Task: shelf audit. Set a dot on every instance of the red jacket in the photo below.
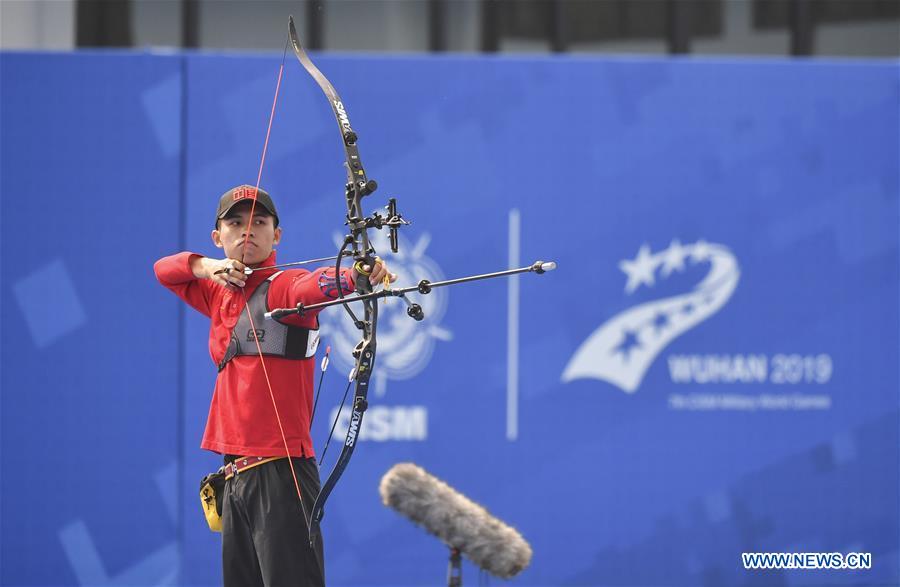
(241, 417)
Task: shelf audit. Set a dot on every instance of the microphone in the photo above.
(455, 519)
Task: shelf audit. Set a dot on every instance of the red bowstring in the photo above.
(262, 360)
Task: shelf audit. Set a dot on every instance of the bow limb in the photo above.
(362, 371)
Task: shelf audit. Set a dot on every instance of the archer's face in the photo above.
(232, 233)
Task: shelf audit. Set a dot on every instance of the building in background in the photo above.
(851, 28)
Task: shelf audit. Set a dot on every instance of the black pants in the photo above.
(265, 540)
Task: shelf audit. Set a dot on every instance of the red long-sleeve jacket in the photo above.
(241, 416)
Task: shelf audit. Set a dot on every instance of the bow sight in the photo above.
(393, 220)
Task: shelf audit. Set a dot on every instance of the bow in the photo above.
(357, 246)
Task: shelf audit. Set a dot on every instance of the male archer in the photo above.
(264, 532)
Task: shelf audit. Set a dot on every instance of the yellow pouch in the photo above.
(211, 489)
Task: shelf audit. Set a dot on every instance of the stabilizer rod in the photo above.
(423, 287)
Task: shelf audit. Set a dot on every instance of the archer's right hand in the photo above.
(227, 272)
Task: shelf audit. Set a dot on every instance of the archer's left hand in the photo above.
(378, 274)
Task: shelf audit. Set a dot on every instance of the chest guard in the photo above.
(275, 339)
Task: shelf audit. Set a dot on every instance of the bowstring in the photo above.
(262, 360)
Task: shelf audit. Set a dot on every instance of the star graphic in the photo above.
(629, 341)
(640, 270)
(661, 321)
(701, 251)
(673, 258)
(688, 308)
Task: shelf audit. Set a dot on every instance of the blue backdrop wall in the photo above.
(712, 369)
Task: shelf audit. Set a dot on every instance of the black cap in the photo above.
(237, 195)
